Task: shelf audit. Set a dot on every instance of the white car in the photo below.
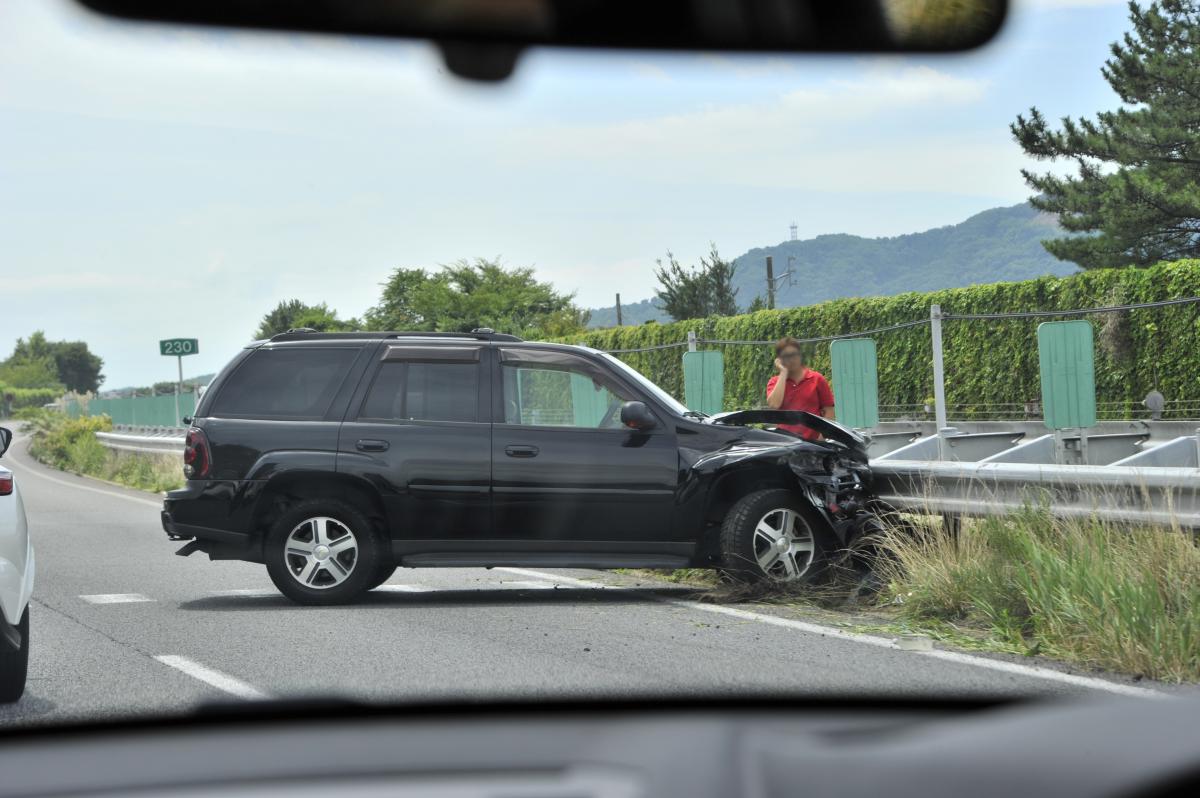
(16, 583)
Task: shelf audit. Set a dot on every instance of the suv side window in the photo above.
(565, 392)
(424, 392)
(285, 382)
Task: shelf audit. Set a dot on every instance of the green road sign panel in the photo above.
(179, 346)
(855, 382)
(704, 381)
(1066, 354)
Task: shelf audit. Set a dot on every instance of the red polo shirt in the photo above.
(811, 392)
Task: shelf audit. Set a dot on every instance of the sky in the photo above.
(159, 182)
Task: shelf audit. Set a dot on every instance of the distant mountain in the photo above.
(997, 245)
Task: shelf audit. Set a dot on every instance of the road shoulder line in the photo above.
(1003, 666)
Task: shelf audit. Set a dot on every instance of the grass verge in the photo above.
(70, 445)
(1080, 590)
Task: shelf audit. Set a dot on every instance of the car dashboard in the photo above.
(765, 748)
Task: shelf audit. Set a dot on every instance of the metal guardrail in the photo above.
(1134, 475)
(1139, 472)
(145, 440)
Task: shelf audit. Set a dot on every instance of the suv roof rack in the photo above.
(479, 334)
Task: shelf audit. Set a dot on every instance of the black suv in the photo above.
(333, 458)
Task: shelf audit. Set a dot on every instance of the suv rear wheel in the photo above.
(323, 551)
(768, 536)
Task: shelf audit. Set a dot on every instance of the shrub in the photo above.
(976, 352)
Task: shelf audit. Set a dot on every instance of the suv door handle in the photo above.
(521, 451)
(371, 445)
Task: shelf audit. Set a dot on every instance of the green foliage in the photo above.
(70, 444)
(26, 398)
(1078, 589)
(39, 363)
(998, 244)
(1138, 182)
(58, 440)
(706, 290)
(39, 373)
(293, 314)
(987, 362)
(464, 296)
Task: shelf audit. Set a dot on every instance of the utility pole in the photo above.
(618, 310)
(178, 389)
(939, 371)
(770, 283)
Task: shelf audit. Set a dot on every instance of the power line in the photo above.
(1031, 314)
(1079, 312)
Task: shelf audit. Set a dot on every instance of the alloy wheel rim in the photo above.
(321, 552)
(783, 545)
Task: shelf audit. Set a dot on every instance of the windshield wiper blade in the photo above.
(694, 414)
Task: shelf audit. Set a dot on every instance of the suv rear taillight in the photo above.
(197, 456)
(6, 484)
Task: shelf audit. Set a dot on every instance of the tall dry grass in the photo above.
(1116, 597)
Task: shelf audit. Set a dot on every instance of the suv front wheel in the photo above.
(323, 551)
(768, 536)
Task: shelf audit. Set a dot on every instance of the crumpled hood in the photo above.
(830, 429)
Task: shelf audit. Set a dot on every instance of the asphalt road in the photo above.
(121, 626)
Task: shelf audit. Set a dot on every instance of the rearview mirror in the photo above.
(636, 415)
(483, 40)
(5, 439)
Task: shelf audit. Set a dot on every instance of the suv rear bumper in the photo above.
(185, 510)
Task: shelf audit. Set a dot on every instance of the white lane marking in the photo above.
(213, 678)
(1003, 666)
(115, 598)
(405, 589)
(26, 469)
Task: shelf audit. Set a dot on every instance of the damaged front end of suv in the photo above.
(784, 505)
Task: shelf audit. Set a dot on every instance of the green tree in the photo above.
(465, 295)
(706, 290)
(294, 314)
(37, 362)
(757, 304)
(35, 373)
(78, 368)
(1137, 190)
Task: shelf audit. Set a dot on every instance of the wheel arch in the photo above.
(291, 487)
(730, 484)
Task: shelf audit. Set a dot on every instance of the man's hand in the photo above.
(783, 370)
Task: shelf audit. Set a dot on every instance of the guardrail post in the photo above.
(939, 376)
(691, 340)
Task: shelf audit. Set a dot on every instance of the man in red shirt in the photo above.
(798, 387)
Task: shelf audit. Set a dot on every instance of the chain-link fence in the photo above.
(990, 362)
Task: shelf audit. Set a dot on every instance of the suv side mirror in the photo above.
(5, 440)
(636, 415)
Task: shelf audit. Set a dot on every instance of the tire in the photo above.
(383, 574)
(756, 523)
(323, 551)
(14, 665)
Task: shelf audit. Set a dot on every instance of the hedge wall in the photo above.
(28, 397)
(987, 362)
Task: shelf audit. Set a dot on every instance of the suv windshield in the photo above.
(645, 384)
(339, 364)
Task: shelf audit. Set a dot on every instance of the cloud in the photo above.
(867, 133)
(645, 69)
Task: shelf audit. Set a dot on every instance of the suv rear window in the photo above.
(289, 382)
(424, 391)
